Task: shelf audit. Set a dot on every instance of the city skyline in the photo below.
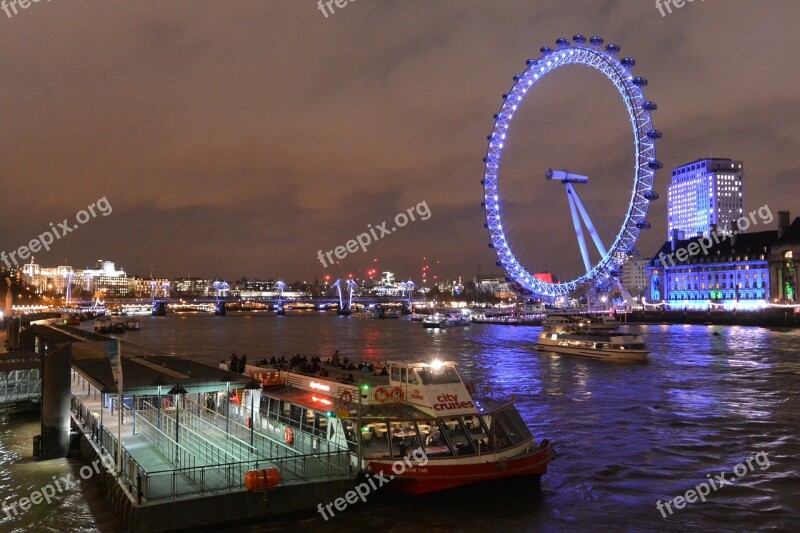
(210, 161)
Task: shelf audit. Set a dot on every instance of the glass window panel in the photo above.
(458, 436)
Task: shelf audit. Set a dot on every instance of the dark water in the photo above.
(626, 436)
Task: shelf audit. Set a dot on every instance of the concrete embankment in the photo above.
(768, 318)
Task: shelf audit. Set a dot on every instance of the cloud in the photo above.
(240, 138)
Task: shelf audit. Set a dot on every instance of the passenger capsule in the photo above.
(578, 39)
(651, 195)
(596, 40)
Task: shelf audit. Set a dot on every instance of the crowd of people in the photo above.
(310, 365)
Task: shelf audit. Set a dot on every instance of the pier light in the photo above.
(177, 391)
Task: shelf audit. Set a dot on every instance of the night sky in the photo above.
(237, 139)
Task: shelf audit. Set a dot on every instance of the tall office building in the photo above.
(703, 194)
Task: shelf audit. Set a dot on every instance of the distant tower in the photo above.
(703, 194)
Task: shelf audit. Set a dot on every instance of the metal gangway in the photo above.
(20, 379)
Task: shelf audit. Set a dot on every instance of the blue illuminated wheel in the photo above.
(589, 53)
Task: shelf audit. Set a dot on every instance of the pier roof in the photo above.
(142, 373)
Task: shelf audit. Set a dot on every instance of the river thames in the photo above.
(627, 436)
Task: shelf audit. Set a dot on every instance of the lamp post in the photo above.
(176, 390)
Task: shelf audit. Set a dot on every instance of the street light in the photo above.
(176, 390)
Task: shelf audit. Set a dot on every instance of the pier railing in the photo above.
(170, 484)
(206, 451)
(133, 474)
(205, 422)
(191, 476)
(171, 450)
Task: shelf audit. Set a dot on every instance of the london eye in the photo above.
(587, 54)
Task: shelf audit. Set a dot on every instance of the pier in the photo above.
(175, 452)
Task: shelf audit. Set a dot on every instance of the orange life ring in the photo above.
(288, 436)
(345, 396)
(381, 395)
(398, 394)
(471, 388)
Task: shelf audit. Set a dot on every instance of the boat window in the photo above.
(403, 375)
(443, 376)
(295, 415)
(458, 436)
(395, 373)
(374, 436)
(503, 431)
(412, 376)
(477, 433)
(405, 438)
(433, 438)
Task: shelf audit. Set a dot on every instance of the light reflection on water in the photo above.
(626, 435)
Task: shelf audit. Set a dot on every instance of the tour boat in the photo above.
(410, 410)
(102, 324)
(607, 346)
(438, 320)
(133, 324)
(582, 322)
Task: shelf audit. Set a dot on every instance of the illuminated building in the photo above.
(703, 194)
(746, 271)
(105, 279)
(192, 286)
(46, 279)
(634, 275)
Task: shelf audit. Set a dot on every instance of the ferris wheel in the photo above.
(586, 53)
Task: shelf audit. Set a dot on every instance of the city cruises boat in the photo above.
(607, 346)
(133, 324)
(581, 322)
(598, 323)
(438, 320)
(411, 410)
(102, 324)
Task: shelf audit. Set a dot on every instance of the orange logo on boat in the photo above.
(398, 394)
(288, 436)
(381, 395)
